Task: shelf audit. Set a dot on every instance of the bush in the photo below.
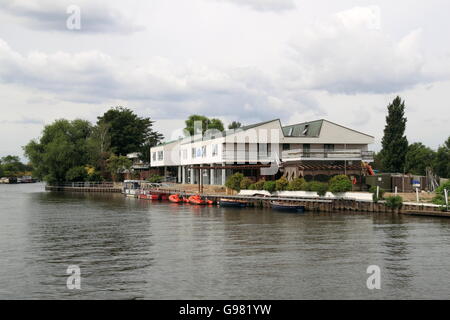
(440, 197)
(320, 187)
(259, 185)
(76, 174)
(281, 184)
(154, 178)
(394, 202)
(251, 187)
(94, 177)
(234, 181)
(270, 186)
(246, 183)
(297, 184)
(373, 190)
(340, 183)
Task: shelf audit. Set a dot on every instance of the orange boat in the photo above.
(185, 200)
(175, 198)
(196, 200)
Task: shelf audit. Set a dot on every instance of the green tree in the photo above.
(11, 166)
(340, 183)
(281, 184)
(234, 181)
(61, 147)
(245, 183)
(76, 174)
(207, 124)
(129, 132)
(418, 158)
(234, 125)
(441, 162)
(394, 142)
(320, 187)
(270, 186)
(117, 165)
(297, 184)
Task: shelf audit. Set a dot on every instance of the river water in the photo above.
(138, 249)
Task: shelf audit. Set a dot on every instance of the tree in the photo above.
(441, 162)
(129, 132)
(234, 181)
(418, 158)
(297, 184)
(61, 147)
(394, 142)
(245, 183)
(99, 146)
(11, 166)
(340, 183)
(234, 125)
(117, 165)
(281, 184)
(205, 122)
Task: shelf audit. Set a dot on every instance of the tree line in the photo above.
(398, 156)
(80, 151)
(11, 166)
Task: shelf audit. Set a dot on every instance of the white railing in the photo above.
(249, 156)
(322, 154)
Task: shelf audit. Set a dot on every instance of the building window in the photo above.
(160, 155)
(193, 153)
(184, 154)
(306, 150)
(203, 151)
(215, 150)
(154, 156)
(286, 146)
(328, 147)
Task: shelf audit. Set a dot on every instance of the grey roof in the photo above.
(296, 130)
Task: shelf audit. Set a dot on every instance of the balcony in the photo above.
(249, 156)
(327, 155)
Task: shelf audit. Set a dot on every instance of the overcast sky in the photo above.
(245, 60)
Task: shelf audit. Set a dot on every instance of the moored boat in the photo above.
(175, 198)
(232, 203)
(286, 206)
(196, 199)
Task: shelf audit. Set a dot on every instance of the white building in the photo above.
(265, 149)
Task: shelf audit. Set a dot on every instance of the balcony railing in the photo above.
(322, 154)
(249, 156)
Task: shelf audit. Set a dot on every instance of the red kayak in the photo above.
(175, 198)
(196, 200)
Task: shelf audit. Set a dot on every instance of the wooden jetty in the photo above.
(105, 187)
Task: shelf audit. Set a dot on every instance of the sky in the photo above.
(243, 60)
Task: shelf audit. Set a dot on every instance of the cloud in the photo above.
(265, 5)
(350, 53)
(96, 17)
(157, 83)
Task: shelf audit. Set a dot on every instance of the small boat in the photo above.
(285, 206)
(196, 200)
(209, 201)
(175, 198)
(185, 200)
(232, 203)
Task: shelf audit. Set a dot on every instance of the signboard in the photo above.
(416, 184)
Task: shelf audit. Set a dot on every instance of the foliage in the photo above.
(269, 186)
(373, 190)
(61, 147)
(154, 178)
(11, 166)
(259, 185)
(440, 197)
(320, 187)
(207, 124)
(252, 187)
(281, 184)
(234, 125)
(246, 183)
(117, 165)
(394, 142)
(441, 162)
(76, 174)
(418, 158)
(394, 202)
(128, 132)
(340, 183)
(234, 181)
(297, 184)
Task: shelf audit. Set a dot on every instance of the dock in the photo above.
(103, 187)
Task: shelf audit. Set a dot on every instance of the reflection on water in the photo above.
(138, 249)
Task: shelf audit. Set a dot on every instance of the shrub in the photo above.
(76, 174)
(94, 177)
(373, 190)
(259, 185)
(154, 178)
(246, 183)
(394, 202)
(297, 184)
(270, 186)
(340, 183)
(251, 187)
(320, 187)
(281, 184)
(440, 197)
(234, 181)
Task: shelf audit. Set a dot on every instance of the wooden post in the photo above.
(417, 194)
